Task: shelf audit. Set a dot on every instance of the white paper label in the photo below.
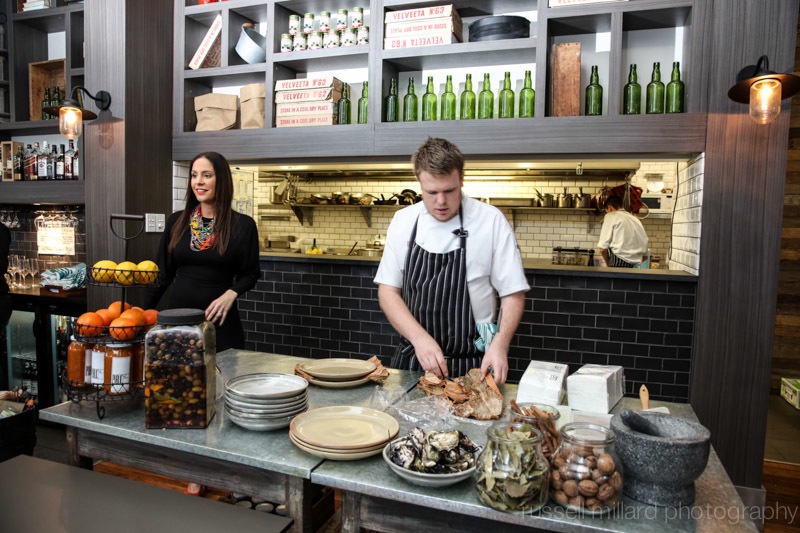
(87, 372)
(120, 375)
(56, 240)
(98, 366)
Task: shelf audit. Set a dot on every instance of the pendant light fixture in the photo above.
(763, 89)
(71, 113)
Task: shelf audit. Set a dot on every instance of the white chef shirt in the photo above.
(624, 235)
(493, 259)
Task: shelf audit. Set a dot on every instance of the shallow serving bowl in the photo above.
(422, 479)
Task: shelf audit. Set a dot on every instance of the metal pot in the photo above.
(341, 198)
(370, 252)
(545, 200)
(564, 199)
(582, 200)
(277, 194)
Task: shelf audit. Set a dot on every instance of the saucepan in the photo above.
(582, 200)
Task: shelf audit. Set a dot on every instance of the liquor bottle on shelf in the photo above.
(655, 92)
(344, 105)
(68, 163)
(363, 104)
(632, 94)
(51, 162)
(594, 95)
(8, 172)
(75, 160)
(505, 105)
(41, 161)
(29, 171)
(448, 100)
(391, 104)
(527, 97)
(486, 99)
(429, 102)
(46, 103)
(675, 90)
(410, 103)
(468, 101)
(60, 163)
(19, 163)
(56, 99)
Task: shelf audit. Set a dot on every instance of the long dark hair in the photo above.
(223, 196)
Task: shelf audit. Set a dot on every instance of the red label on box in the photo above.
(431, 39)
(308, 83)
(420, 13)
(307, 95)
(305, 120)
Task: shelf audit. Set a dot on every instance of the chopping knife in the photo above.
(644, 397)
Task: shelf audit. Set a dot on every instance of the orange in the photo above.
(122, 329)
(138, 308)
(137, 317)
(105, 314)
(90, 324)
(150, 316)
(116, 308)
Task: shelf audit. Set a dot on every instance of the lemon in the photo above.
(148, 271)
(103, 271)
(126, 272)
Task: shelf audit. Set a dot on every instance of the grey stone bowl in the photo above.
(661, 470)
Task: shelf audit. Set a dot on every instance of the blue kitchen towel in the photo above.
(73, 277)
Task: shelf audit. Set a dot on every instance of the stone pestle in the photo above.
(637, 422)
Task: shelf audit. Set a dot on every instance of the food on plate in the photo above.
(434, 452)
(469, 396)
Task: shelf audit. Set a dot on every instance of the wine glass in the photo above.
(13, 269)
(24, 269)
(33, 269)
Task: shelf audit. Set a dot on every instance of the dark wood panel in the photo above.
(745, 167)
(782, 483)
(43, 192)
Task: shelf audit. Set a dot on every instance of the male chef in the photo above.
(623, 241)
(446, 260)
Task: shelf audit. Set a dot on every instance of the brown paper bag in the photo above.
(252, 97)
(216, 111)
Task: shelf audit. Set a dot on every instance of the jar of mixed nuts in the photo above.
(180, 370)
(511, 473)
(586, 472)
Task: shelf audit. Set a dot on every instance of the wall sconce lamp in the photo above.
(763, 89)
(71, 113)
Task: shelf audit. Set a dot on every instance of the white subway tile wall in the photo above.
(687, 220)
(538, 232)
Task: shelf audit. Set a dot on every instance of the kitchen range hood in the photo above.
(477, 169)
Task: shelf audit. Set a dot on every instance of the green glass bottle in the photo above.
(46, 103)
(527, 97)
(56, 100)
(344, 105)
(655, 92)
(363, 103)
(429, 103)
(391, 104)
(632, 94)
(593, 105)
(486, 99)
(675, 90)
(448, 100)
(468, 102)
(410, 103)
(505, 104)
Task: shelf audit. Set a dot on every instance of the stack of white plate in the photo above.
(338, 373)
(343, 432)
(265, 401)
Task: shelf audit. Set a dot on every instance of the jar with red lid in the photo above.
(117, 368)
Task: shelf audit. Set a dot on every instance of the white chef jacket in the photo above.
(493, 259)
(624, 235)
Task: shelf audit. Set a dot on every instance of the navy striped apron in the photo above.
(435, 291)
(614, 261)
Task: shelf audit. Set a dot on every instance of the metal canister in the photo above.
(348, 37)
(341, 20)
(362, 35)
(308, 23)
(315, 41)
(286, 43)
(331, 39)
(324, 21)
(299, 42)
(357, 17)
(294, 24)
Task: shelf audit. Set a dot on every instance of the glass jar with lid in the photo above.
(117, 368)
(586, 471)
(180, 370)
(544, 418)
(79, 362)
(511, 472)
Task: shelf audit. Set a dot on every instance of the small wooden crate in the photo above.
(7, 151)
(566, 80)
(41, 75)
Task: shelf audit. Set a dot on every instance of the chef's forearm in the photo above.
(400, 317)
(604, 253)
(512, 306)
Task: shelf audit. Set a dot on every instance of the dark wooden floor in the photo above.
(782, 511)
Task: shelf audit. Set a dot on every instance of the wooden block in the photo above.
(566, 84)
(41, 75)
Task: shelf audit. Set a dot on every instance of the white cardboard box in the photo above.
(595, 388)
(542, 382)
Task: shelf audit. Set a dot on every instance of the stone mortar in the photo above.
(661, 470)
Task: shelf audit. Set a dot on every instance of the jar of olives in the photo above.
(586, 472)
(180, 370)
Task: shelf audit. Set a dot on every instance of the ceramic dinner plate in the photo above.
(338, 369)
(274, 413)
(333, 454)
(370, 448)
(344, 427)
(266, 386)
(238, 401)
(338, 384)
(260, 424)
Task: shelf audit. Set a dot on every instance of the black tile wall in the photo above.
(330, 309)
(24, 242)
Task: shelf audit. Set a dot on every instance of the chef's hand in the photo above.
(218, 309)
(430, 356)
(496, 358)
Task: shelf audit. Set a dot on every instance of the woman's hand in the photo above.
(218, 309)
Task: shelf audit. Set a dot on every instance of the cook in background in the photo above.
(209, 252)
(623, 241)
(445, 262)
(5, 298)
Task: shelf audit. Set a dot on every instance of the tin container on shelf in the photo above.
(286, 43)
(341, 20)
(180, 370)
(362, 35)
(357, 17)
(299, 42)
(324, 21)
(294, 24)
(331, 40)
(314, 41)
(348, 37)
(308, 23)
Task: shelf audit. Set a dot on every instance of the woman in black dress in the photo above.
(209, 252)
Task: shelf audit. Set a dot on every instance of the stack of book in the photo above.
(307, 102)
(424, 26)
(31, 5)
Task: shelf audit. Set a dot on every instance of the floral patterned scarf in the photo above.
(202, 234)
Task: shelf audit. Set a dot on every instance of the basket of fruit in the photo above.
(126, 273)
(119, 322)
